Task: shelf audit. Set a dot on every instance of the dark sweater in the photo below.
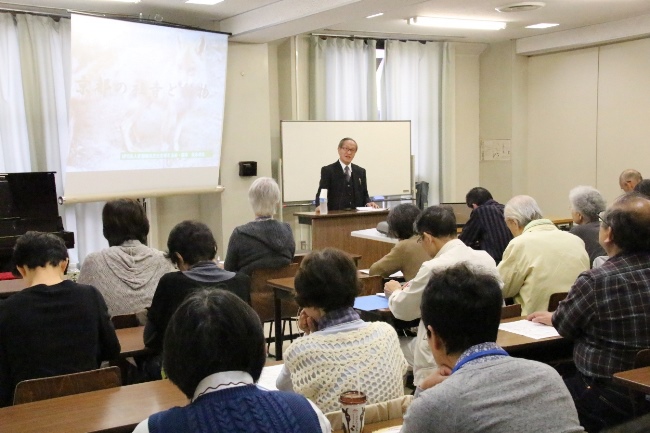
(51, 330)
(589, 234)
(243, 409)
(259, 244)
(174, 287)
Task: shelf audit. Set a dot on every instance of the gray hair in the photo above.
(264, 196)
(522, 209)
(588, 201)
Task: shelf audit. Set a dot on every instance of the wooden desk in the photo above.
(131, 341)
(514, 344)
(9, 287)
(334, 228)
(637, 379)
(116, 410)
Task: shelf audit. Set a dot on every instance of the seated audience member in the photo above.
(629, 179)
(643, 187)
(192, 249)
(541, 259)
(265, 242)
(340, 352)
(407, 255)
(607, 315)
(437, 229)
(486, 229)
(127, 272)
(214, 353)
(586, 204)
(478, 387)
(54, 326)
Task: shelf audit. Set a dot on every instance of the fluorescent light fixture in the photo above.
(204, 2)
(126, 1)
(542, 26)
(454, 23)
(375, 15)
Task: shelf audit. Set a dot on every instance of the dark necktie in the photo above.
(347, 173)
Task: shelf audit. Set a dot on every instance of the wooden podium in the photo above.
(334, 228)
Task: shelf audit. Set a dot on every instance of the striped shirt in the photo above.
(607, 313)
(486, 230)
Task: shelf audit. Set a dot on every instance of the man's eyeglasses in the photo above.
(348, 149)
(421, 237)
(601, 217)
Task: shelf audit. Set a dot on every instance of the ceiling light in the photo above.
(204, 2)
(521, 7)
(127, 1)
(542, 26)
(375, 15)
(453, 23)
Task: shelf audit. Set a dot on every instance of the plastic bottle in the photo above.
(323, 202)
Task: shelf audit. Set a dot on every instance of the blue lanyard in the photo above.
(477, 355)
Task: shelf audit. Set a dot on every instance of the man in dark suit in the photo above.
(345, 182)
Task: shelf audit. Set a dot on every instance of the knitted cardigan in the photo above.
(322, 366)
(242, 409)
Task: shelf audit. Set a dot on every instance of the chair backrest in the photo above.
(67, 384)
(509, 311)
(125, 321)
(642, 359)
(371, 285)
(262, 294)
(555, 299)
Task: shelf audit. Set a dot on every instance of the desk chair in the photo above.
(262, 298)
(125, 321)
(371, 285)
(555, 299)
(640, 401)
(509, 311)
(31, 390)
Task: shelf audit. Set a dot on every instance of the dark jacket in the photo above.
(341, 194)
(174, 287)
(265, 243)
(486, 230)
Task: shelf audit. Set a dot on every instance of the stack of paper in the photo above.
(529, 329)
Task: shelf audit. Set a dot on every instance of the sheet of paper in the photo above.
(395, 429)
(529, 329)
(365, 271)
(269, 376)
(370, 303)
(397, 274)
(383, 295)
(367, 208)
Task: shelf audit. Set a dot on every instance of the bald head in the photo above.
(629, 221)
(628, 179)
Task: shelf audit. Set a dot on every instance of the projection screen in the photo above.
(146, 110)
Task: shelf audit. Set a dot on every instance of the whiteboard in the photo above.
(384, 151)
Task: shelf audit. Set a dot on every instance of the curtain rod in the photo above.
(378, 38)
(36, 10)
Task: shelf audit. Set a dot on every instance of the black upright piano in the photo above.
(28, 202)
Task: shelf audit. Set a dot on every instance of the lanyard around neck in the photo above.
(478, 355)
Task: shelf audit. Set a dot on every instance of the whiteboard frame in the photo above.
(384, 148)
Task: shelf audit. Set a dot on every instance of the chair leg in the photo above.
(268, 340)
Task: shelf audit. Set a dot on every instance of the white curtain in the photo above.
(343, 79)
(411, 90)
(13, 123)
(41, 55)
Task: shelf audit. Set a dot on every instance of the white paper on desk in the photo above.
(395, 429)
(367, 208)
(529, 329)
(365, 271)
(397, 274)
(269, 376)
